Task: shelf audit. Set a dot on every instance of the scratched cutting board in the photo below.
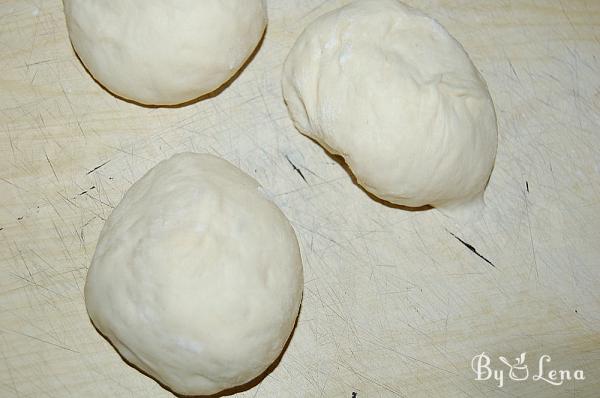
(394, 304)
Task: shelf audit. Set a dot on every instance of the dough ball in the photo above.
(390, 90)
(197, 277)
(164, 52)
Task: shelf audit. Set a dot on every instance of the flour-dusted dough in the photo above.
(164, 52)
(391, 91)
(197, 277)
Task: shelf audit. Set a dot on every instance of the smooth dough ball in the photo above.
(164, 52)
(390, 90)
(197, 277)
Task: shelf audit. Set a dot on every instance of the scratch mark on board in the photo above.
(371, 379)
(99, 201)
(40, 340)
(51, 166)
(296, 169)
(472, 249)
(35, 284)
(25, 263)
(512, 68)
(86, 191)
(532, 243)
(97, 168)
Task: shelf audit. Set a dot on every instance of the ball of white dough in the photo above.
(390, 90)
(164, 52)
(197, 277)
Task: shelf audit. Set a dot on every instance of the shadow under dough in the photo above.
(342, 162)
(212, 94)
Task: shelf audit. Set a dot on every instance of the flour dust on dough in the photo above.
(197, 277)
(388, 88)
(164, 52)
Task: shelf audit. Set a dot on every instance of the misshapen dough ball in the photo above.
(197, 277)
(164, 52)
(391, 91)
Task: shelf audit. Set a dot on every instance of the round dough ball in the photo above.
(164, 52)
(197, 277)
(390, 90)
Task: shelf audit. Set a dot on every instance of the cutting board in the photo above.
(397, 303)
